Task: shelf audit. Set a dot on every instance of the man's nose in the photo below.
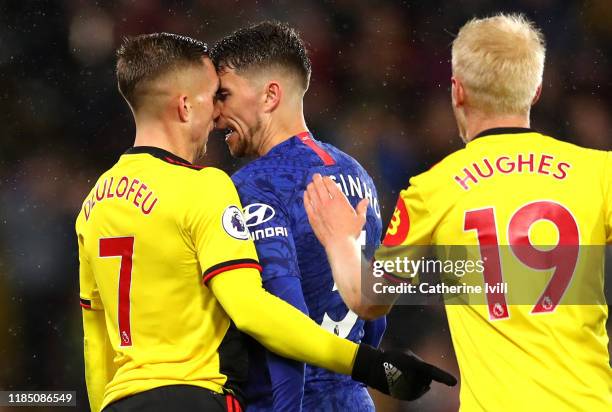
(217, 110)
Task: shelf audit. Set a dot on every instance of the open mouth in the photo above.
(229, 132)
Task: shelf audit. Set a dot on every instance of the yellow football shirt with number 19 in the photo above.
(152, 230)
(513, 186)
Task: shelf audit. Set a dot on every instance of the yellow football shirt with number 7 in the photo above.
(546, 350)
(152, 232)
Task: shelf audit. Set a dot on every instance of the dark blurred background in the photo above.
(380, 91)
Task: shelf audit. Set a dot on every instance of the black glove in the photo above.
(401, 375)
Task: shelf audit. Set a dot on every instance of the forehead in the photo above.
(203, 76)
(231, 79)
(210, 72)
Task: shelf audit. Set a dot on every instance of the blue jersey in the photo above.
(296, 269)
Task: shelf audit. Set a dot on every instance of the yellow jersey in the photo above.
(153, 229)
(504, 188)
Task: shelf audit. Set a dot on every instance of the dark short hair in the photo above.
(263, 45)
(144, 58)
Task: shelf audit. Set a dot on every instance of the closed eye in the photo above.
(221, 95)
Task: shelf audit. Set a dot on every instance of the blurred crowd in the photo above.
(379, 91)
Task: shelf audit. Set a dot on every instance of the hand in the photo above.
(401, 375)
(329, 212)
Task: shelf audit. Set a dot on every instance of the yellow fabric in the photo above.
(99, 356)
(98, 353)
(607, 193)
(278, 326)
(174, 215)
(554, 361)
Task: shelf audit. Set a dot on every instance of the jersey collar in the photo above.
(164, 155)
(504, 130)
(287, 143)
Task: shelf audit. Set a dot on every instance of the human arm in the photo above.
(286, 375)
(97, 349)
(276, 324)
(608, 197)
(286, 331)
(338, 226)
(269, 221)
(279, 326)
(98, 354)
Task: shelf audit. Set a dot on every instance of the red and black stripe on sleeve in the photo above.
(232, 404)
(85, 303)
(214, 270)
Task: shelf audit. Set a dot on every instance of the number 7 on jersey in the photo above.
(122, 247)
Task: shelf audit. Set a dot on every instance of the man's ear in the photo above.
(457, 92)
(537, 95)
(273, 93)
(184, 108)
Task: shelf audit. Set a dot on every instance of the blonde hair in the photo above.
(500, 61)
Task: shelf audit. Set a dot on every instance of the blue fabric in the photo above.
(337, 397)
(286, 376)
(295, 265)
(373, 331)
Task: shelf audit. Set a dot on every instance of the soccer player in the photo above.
(168, 273)
(511, 185)
(264, 72)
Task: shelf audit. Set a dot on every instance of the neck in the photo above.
(479, 122)
(165, 136)
(279, 130)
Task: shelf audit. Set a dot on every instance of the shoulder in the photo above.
(340, 156)
(209, 185)
(277, 178)
(588, 160)
(347, 163)
(572, 147)
(608, 157)
(183, 179)
(255, 168)
(213, 174)
(88, 201)
(254, 176)
(433, 176)
(209, 177)
(548, 140)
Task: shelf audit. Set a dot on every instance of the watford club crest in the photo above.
(399, 225)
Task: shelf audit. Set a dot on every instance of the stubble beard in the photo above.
(243, 146)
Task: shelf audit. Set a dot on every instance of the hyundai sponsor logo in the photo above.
(257, 213)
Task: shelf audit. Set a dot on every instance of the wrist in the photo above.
(342, 248)
(366, 358)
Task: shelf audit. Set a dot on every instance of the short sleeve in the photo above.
(410, 225)
(216, 225)
(270, 226)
